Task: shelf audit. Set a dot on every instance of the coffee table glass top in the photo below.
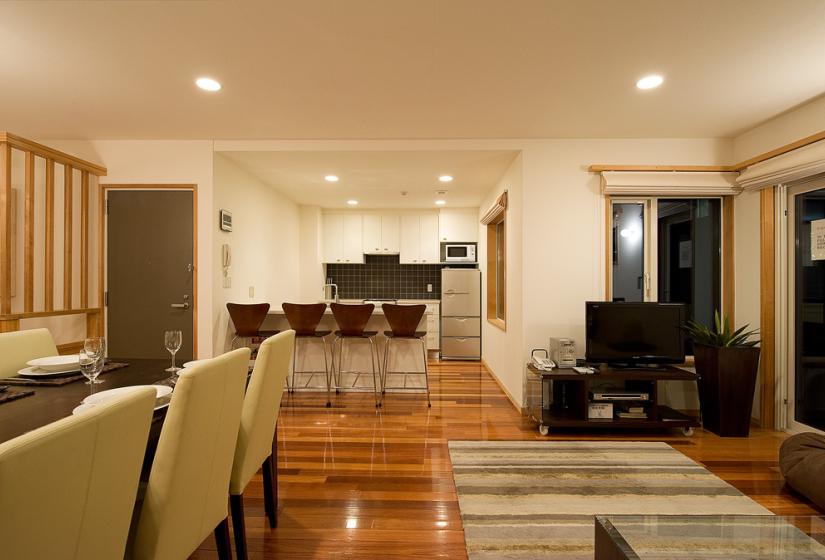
(733, 537)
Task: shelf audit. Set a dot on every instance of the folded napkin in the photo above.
(58, 381)
(7, 396)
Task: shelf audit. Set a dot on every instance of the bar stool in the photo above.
(352, 319)
(304, 319)
(248, 318)
(403, 320)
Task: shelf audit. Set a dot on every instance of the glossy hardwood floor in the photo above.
(355, 483)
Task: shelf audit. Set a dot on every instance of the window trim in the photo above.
(492, 271)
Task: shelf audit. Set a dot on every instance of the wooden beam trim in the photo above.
(801, 143)
(56, 313)
(49, 153)
(599, 168)
(767, 314)
(48, 261)
(5, 228)
(84, 239)
(68, 230)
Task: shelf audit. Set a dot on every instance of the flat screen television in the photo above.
(623, 333)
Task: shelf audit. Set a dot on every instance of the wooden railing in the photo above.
(9, 320)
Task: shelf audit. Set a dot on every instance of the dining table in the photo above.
(49, 404)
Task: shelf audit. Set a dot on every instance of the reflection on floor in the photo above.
(358, 483)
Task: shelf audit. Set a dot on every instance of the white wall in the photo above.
(162, 162)
(501, 349)
(311, 269)
(264, 242)
(788, 127)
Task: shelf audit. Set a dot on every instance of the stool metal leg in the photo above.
(386, 356)
(426, 371)
(374, 379)
(294, 353)
(326, 368)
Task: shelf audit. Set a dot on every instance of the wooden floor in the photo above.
(355, 483)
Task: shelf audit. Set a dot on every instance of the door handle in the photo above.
(184, 305)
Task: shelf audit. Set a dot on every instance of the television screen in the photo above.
(635, 333)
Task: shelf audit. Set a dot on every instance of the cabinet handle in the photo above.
(376, 248)
(386, 249)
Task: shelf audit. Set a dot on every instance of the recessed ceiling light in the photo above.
(440, 202)
(445, 178)
(208, 84)
(650, 82)
(331, 178)
(352, 202)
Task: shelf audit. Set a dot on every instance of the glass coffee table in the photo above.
(700, 537)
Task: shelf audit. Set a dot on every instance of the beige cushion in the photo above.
(17, 348)
(802, 463)
(260, 409)
(67, 489)
(186, 494)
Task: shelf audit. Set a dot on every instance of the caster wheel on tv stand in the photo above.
(544, 430)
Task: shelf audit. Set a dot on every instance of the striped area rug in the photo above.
(523, 500)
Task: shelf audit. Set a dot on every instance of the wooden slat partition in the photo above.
(5, 228)
(48, 262)
(68, 231)
(28, 221)
(10, 321)
(84, 239)
(767, 319)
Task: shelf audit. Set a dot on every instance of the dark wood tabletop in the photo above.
(49, 404)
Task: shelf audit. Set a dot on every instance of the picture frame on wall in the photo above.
(225, 220)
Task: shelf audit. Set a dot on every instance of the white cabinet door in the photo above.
(458, 225)
(410, 239)
(390, 233)
(430, 250)
(333, 243)
(372, 233)
(353, 242)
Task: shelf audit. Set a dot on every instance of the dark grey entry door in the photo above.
(150, 271)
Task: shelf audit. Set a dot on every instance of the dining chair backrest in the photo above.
(185, 497)
(303, 318)
(17, 348)
(260, 409)
(67, 489)
(403, 319)
(352, 319)
(247, 317)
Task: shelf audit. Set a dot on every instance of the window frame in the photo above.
(495, 318)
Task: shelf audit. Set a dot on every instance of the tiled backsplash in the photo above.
(383, 277)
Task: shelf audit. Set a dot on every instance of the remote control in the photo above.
(583, 369)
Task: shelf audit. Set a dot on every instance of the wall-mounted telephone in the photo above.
(226, 255)
(543, 364)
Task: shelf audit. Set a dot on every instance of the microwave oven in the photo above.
(464, 252)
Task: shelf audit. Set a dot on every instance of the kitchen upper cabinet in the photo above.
(381, 234)
(419, 238)
(458, 225)
(343, 238)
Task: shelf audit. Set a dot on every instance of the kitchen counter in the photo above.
(377, 311)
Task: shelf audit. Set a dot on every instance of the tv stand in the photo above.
(639, 367)
(559, 398)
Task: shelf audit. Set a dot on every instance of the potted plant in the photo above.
(727, 363)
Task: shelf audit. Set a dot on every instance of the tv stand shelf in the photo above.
(560, 398)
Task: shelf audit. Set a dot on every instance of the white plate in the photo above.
(55, 363)
(103, 396)
(37, 372)
(193, 362)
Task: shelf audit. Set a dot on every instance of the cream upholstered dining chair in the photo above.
(257, 433)
(185, 496)
(17, 348)
(67, 490)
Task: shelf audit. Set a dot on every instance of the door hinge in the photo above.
(107, 206)
(786, 401)
(786, 213)
(106, 298)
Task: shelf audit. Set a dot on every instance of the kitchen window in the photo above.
(668, 250)
(496, 221)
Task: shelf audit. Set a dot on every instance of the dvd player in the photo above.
(620, 396)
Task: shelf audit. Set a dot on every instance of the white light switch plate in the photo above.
(429, 288)
(252, 291)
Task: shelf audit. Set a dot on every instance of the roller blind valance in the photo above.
(669, 183)
(499, 206)
(792, 166)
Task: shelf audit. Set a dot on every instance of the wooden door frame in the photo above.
(193, 188)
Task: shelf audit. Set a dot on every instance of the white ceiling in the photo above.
(376, 179)
(405, 68)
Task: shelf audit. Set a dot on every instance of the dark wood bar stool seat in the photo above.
(352, 319)
(247, 319)
(304, 320)
(403, 321)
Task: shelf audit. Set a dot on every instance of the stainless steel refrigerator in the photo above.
(461, 314)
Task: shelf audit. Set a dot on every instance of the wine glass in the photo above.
(89, 368)
(96, 346)
(173, 340)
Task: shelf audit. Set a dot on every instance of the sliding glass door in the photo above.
(668, 250)
(806, 309)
